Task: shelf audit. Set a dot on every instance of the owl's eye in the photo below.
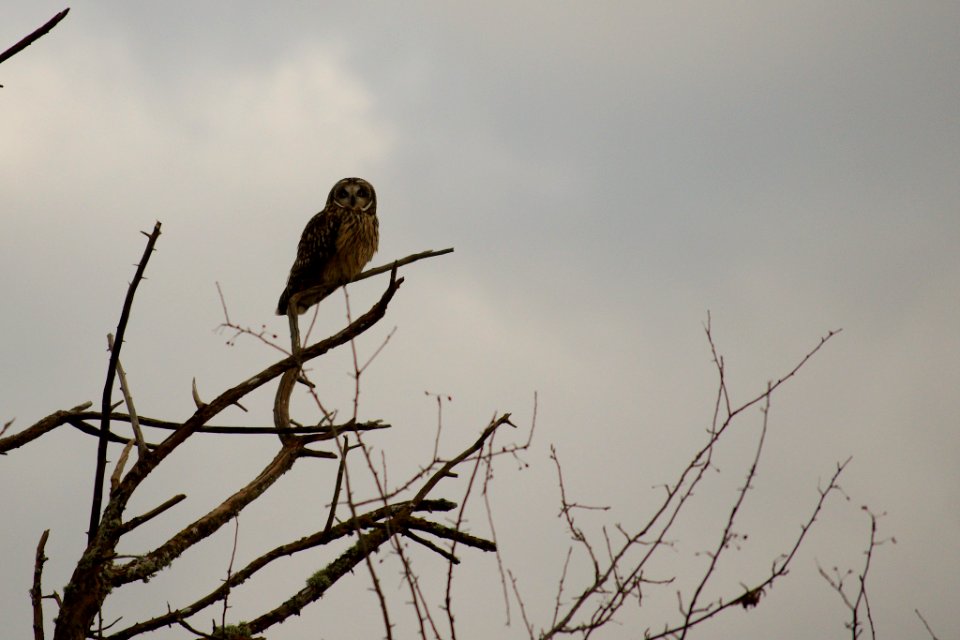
(341, 192)
(362, 193)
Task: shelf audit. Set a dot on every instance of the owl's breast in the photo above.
(357, 241)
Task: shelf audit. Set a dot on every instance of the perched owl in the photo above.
(335, 245)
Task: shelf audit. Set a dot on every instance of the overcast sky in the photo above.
(609, 173)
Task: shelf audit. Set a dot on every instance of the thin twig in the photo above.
(778, 569)
(488, 508)
(162, 556)
(461, 514)
(614, 583)
(233, 555)
(855, 625)
(523, 609)
(336, 486)
(925, 625)
(396, 264)
(133, 523)
(728, 534)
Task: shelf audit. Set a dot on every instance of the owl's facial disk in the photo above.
(354, 193)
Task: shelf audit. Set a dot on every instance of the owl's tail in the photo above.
(284, 301)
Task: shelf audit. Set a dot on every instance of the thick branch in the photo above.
(398, 520)
(41, 427)
(367, 544)
(449, 533)
(205, 526)
(344, 529)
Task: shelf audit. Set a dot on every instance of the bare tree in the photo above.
(397, 510)
(98, 572)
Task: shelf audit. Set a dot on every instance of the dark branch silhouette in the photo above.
(105, 405)
(33, 36)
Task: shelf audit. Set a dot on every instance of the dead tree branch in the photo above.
(133, 523)
(128, 400)
(326, 432)
(36, 591)
(396, 264)
(105, 405)
(34, 36)
(41, 427)
(320, 538)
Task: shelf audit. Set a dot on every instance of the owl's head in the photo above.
(355, 194)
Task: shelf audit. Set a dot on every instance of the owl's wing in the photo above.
(317, 247)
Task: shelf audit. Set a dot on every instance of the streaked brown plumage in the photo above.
(335, 245)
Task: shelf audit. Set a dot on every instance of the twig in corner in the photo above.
(34, 36)
(35, 591)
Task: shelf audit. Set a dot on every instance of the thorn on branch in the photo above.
(196, 395)
(201, 404)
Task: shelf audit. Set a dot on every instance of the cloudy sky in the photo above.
(608, 173)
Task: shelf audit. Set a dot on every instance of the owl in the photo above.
(335, 245)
